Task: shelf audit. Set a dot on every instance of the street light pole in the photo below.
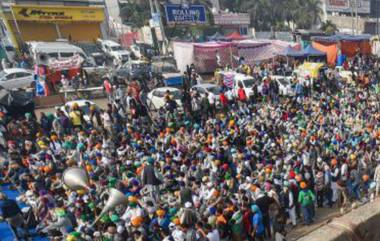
(352, 17)
(357, 18)
(163, 35)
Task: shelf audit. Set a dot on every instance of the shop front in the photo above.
(48, 23)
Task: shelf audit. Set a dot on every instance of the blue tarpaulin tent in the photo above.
(291, 52)
(309, 51)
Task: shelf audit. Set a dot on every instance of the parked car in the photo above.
(16, 78)
(211, 89)
(134, 69)
(114, 51)
(163, 64)
(140, 50)
(284, 84)
(94, 53)
(83, 106)
(156, 98)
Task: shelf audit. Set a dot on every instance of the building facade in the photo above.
(74, 20)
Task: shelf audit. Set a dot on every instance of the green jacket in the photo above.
(306, 198)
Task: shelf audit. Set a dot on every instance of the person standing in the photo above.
(257, 224)
(289, 204)
(76, 117)
(335, 176)
(107, 87)
(306, 198)
(149, 178)
(376, 178)
(319, 188)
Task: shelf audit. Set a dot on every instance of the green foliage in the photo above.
(329, 27)
(268, 14)
(265, 14)
(135, 13)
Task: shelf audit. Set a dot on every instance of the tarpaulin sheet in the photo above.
(376, 47)
(330, 49)
(259, 50)
(205, 55)
(183, 54)
(66, 63)
(127, 39)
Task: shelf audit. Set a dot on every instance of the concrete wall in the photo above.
(361, 224)
(343, 22)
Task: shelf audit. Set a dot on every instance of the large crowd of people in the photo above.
(249, 169)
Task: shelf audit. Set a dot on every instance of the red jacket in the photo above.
(241, 94)
(223, 99)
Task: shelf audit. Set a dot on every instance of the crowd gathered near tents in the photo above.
(252, 168)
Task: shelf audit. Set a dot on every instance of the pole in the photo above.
(161, 26)
(357, 17)
(16, 24)
(152, 30)
(352, 17)
(377, 16)
(10, 30)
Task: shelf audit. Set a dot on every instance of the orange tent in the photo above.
(348, 44)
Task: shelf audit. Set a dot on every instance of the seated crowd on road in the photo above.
(225, 167)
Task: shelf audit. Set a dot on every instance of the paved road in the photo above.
(102, 103)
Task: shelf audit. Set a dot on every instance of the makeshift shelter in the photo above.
(291, 52)
(375, 41)
(348, 45)
(235, 36)
(216, 37)
(260, 50)
(309, 51)
(183, 54)
(205, 55)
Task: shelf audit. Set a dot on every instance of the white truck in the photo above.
(114, 51)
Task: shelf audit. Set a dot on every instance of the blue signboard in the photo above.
(185, 14)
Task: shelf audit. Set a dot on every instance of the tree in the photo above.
(308, 13)
(135, 13)
(329, 27)
(268, 14)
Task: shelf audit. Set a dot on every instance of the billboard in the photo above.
(185, 14)
(375, 8)
(57, 13)
(346, 6)
(232, 19)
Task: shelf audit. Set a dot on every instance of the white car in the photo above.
(284, 84)
(247, 82)
(156, 98)
(16, 78)
(114, 51)
(211, 89)
(82, 104)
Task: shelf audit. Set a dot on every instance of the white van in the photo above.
(42, 51)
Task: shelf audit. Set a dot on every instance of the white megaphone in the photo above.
(115, 198)
(75, 178)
